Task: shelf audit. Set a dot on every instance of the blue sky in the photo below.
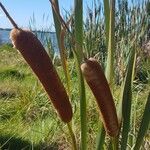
(23, 10)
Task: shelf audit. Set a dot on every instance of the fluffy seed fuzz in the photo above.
(98, 84)
(37, 58)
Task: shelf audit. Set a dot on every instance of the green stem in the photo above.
(74, 144)
(101, 138)
(83, 115)
(79, 57)
(115, 143)
(82, 105)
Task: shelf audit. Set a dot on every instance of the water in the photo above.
(44, 37)
(4, 36)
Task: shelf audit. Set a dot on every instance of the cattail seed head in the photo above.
(35, 55)
(97, 82)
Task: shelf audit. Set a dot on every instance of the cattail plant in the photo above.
(96, 80)
(37, 58)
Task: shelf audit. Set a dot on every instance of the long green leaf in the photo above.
(79, 28)
(64, 59)
(57, 23)
(106, 14)
(126, 100)
(144, 125)
(111, 44)
(101, 138)
(82, 103)
(79, 56)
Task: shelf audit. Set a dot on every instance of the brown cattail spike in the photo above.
(35, 55)
(96, 80)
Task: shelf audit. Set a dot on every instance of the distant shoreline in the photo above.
(43, 36)
(6, 29)
(9, 29)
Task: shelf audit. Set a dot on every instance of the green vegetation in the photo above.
(27, 118)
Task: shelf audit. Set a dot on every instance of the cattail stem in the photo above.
(59, 16)
(74, 144)
(8, 16)
(115, 143)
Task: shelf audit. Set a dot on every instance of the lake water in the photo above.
(44, 37)
(4, 36)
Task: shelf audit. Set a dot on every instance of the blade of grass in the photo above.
(79, 51)
(126, 100)
(119, 106)
(107, 17)
(72, 136)
(64, 59)
(79, 28)
(57, 23)
(111, 44)
(83, 120)
(101, 138)
(144, 125)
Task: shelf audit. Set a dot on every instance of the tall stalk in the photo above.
(79, 55)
